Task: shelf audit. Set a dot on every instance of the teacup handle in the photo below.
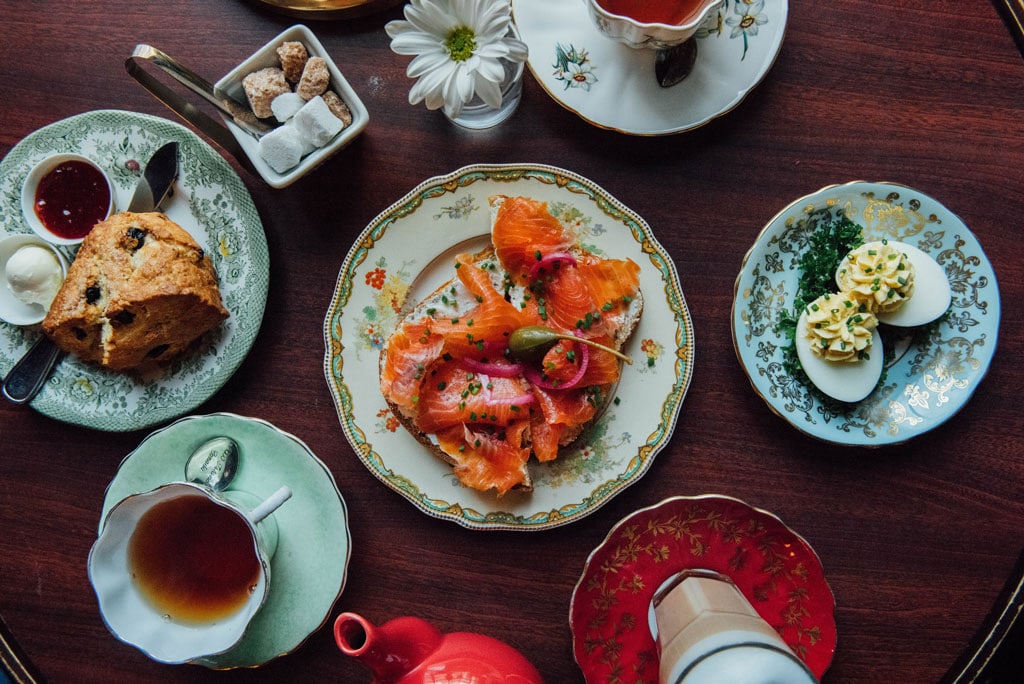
(271, 504)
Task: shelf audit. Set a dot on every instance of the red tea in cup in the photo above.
(671, 12)
(194, 559)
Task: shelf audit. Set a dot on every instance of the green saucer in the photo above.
(309, 568)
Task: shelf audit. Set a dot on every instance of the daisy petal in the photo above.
(491, 70)
(427, 61)
(414, 43)
(431, 18)
(488, 91)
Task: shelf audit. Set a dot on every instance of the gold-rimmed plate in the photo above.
(613, 86)
(933, 373)
(327, 9)
(395, 260)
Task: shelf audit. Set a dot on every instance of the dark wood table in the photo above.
(921, 543)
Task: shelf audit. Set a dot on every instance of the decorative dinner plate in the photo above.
(613, 86)
(210, 201)
(407, 251)
(308, 570)
(775, 569)
(327, 9)
(933, 373)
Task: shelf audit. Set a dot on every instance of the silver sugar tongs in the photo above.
(238, 114)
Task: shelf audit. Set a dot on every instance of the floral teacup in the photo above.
(670, 23)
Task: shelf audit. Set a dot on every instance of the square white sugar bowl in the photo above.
(267, 57)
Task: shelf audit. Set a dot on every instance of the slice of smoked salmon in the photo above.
(545, 438)
(523, 233)
(612, 283)
(590, 295)
(410, 353)
(487, 459)
(491, 321)
(602, 368)
(453, 395)
(570, 408)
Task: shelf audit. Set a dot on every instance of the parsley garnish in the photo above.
(828, 243)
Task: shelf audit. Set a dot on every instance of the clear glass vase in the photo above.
(477, 114)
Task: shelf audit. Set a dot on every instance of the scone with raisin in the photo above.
(139, 292)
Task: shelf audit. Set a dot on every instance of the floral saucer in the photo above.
(776, 570)
(407, 252)
(936, 369)
(613, 86)
(308, 569)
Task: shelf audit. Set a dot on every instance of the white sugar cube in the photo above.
(282, 148)
(307, 144)
(286, 105)
(316, 123)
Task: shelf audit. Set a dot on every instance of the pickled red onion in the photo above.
(498, 370)
(537, 377)
(553, 258)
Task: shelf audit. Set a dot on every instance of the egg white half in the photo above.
(845, 381)
(931, 296)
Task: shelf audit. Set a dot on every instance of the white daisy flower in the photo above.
(459, 47)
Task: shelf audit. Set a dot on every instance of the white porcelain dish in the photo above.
(934, 369)
(12, 309)
(266, 56)
(31, 184)
(613, 86)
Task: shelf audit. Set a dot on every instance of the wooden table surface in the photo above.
(919, 542)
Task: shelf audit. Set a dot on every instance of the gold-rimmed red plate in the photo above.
(775, 568)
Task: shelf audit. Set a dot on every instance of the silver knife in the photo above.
(157, 179)
(29, 374)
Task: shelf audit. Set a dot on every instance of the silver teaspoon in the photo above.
(31, 371)
(213, 464)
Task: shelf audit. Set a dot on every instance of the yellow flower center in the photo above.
(460, 43)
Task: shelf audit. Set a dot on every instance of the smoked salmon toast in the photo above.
(517, 354)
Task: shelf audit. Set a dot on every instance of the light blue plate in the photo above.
(932, 376)
(310, 565)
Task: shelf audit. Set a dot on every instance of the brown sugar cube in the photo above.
(338, 107)
(261, 87)
(315, 79)
(293, 58)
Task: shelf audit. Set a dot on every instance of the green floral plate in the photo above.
(406, 253)
(310, 565)
(935, 369)
(209, 201)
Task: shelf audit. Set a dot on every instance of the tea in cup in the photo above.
(708, 633)
(180, 571)
(654, 24)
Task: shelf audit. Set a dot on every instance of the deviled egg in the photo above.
(905, 286)
(839, 347)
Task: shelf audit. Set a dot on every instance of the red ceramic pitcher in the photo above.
(408, 650)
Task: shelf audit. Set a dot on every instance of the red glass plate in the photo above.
(774, 567)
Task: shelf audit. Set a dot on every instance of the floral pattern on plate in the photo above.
(613, 86)
(407, 252)
(936, 367)
(774, 568)
(208, 200)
